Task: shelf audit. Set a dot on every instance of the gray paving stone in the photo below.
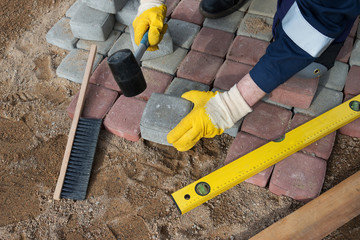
(355, 54)
(123, 42)
(165, 46)
(245, 6)
(267, 100)
(256, 26)
(183, 33)
(178, 86)
(72, 10)
(91, 24)
(103, 47)
(161, 114)
(60, 35)
(127, 14)
(324, 100)
(168, 63)
(228, 24)
(108, 6)
(119, 27)
(264, 8)
(73, 65)
(335, 78)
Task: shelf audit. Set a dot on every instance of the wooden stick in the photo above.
(78, 110)
(321, 216)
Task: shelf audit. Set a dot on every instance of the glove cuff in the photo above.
(147, 4)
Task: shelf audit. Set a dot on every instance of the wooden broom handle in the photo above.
(321, 216)
(78, 110)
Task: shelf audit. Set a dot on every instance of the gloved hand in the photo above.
(213, 112)
(150, 16)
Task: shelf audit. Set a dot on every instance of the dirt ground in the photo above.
(131, 183)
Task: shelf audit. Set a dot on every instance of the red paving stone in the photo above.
(352, 84)
(354, 28)
(230, 73)
(266, 121)
(242, 145)
(247, 50)
(171, 5)
(321, 148)
(351, 129)
(299, 176)
(102, 76)
(124, 118)
(212, 41)
(296, 92)
(98, 101)
(155, 82)
(188, 11)
(345, 51)
(199, 67)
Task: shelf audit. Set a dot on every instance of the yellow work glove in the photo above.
(213, 112)
(150, 16)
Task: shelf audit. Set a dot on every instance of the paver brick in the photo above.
(212, 41)
(73, 65)
(263, 8)
(199, 67)
(256, 26)
(228, 23)
(266, 121)
(127, 14)
(162, 113)
(119, 27)
(299, 176)
(324, 100)
(179, 86)
(169, 63)
(72, 10)
(98, 101)
(91, 24)
(267, 99)
(335, 78)
(247, 50)
(351, 129)
(102, 76)
(171, 5)
(321, 148)
(230, 73)
(183, 33)
(124, 118)
(296, 92)
(355, 54)
(61, 36)
(123, 42)
(188, 11)
(103, 47)
(352, 84)
(345, 51)
(354, 30)
(155, 81)
(242, 145)
(108, 6)
(245, 6)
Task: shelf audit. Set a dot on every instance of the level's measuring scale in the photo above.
(258, 160)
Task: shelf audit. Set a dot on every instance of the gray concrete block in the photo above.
(228, 24)
(256, 26)
(73, 65)
(178, 86)
(355, 54)
(123, 42)
(103, 47)
(165, 46)
(267, 100)
(91, 24)
(119, 27)
(127, 14)
(60, 35)
(108, 6)
(335, 78)
(169, 63)
(161, 114)
(245, 6)
(324, 100)
(72, 10)
(264, 8)
(183, 33)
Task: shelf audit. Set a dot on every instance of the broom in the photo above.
(80, 148)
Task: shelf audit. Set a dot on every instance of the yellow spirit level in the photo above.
(265, 156)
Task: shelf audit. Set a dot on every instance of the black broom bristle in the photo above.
(81, 159)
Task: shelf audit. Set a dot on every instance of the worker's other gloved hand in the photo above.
(213, 112)
(150, 16)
